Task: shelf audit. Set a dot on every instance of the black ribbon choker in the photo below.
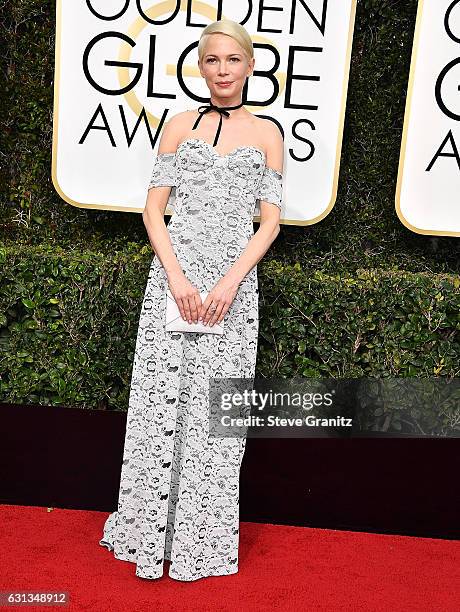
(222, 110)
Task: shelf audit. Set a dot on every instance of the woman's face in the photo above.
(224, 61)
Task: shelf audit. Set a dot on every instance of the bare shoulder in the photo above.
(273, 143)
(182, 120)
(172, 131)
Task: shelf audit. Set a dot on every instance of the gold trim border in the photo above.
(402, 155)
(120, 207)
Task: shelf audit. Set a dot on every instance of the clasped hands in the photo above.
(215, 306)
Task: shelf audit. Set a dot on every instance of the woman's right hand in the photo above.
(187, 297)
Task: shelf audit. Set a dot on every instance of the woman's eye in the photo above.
(212, 59)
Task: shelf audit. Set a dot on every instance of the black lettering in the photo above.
(440, 153)
(111, 92)
(99, 111)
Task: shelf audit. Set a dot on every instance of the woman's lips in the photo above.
(224, 84)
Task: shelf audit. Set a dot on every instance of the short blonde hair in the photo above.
(231, 28)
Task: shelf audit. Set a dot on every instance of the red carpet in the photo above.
(282, 568)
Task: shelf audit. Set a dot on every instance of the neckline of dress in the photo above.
(221, 155)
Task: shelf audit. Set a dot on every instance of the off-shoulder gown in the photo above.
(179, 488)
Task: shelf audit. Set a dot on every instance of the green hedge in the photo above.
(373, 323)
(68, 324)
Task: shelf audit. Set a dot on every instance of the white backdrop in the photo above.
(99, 168)
(428, 188)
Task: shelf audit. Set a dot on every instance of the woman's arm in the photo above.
(185, 294)
(269, 226)
(153, 214)
(259, 243)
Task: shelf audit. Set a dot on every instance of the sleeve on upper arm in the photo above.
(164, 174)
(270, 188)
(164, 171)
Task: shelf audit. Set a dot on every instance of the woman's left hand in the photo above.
(221, 298)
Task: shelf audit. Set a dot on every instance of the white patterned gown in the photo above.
(179, 488)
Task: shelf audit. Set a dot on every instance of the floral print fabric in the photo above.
(179, 487)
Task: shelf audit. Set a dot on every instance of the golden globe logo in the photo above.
(123, 67)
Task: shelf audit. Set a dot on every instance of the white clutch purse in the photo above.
(175, 322)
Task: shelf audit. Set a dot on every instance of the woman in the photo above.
(179, 488)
